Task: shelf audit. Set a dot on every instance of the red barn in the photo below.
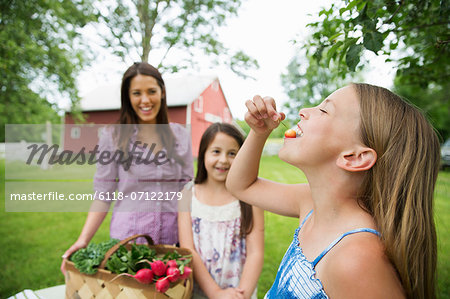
(194, 101)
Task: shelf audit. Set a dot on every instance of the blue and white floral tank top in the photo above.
(296, 275)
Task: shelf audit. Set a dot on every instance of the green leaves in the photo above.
(332, 52)
(307, 82)
(138, 28)
(127, 261)
(412, 34)
(88, 259)
(373, 41)
(41, 54)
(349, 28)
(353, 56)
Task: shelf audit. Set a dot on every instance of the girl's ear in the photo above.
(361, 159)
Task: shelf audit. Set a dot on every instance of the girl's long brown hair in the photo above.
(202, 174)
(398, 190)
(128, 116)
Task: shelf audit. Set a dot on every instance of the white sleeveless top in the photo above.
(216, 238)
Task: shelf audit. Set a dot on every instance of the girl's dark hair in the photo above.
(128, 115)
(202, 174)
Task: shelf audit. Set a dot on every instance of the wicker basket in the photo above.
(99, 285)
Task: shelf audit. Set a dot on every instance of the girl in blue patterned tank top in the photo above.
(366, 226)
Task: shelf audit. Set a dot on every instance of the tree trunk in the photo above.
(147, 18)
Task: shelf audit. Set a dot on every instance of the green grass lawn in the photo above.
(31, 244)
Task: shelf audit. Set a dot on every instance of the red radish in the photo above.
(290, 133)
(158, 267)
(162, 285)
(172, 263)
(173, 273)
(187, 271)
(143, 276)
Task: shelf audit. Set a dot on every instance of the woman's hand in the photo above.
(77, 245)
(230, 293)
(94, 219)
(262, 116)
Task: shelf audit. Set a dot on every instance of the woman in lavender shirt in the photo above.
(156, 163)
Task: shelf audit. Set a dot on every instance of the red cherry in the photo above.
(290, 133)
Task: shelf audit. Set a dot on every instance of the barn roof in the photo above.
(181, 91)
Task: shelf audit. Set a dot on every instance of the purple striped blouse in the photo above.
(149, 192)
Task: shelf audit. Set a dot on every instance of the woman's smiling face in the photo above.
(145, 97)
(326, 130)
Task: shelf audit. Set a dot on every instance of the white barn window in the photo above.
(198, 104)
(213, 118)
(75, 133)
(215, 85)
(226, 115)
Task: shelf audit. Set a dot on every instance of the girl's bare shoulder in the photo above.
(358, 267)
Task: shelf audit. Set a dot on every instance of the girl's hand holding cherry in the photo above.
(262, 116)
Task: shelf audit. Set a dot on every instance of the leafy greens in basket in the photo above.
(87, 260)
(127, 261)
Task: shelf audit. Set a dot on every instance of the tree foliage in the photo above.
(307, 82)
(137, 28)
(434, 101)
(414, 35)
(40, 57)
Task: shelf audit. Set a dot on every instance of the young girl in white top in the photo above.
(225, 235)
(366, 216)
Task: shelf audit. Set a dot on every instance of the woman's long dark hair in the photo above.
(202, 174)
(128, 115)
